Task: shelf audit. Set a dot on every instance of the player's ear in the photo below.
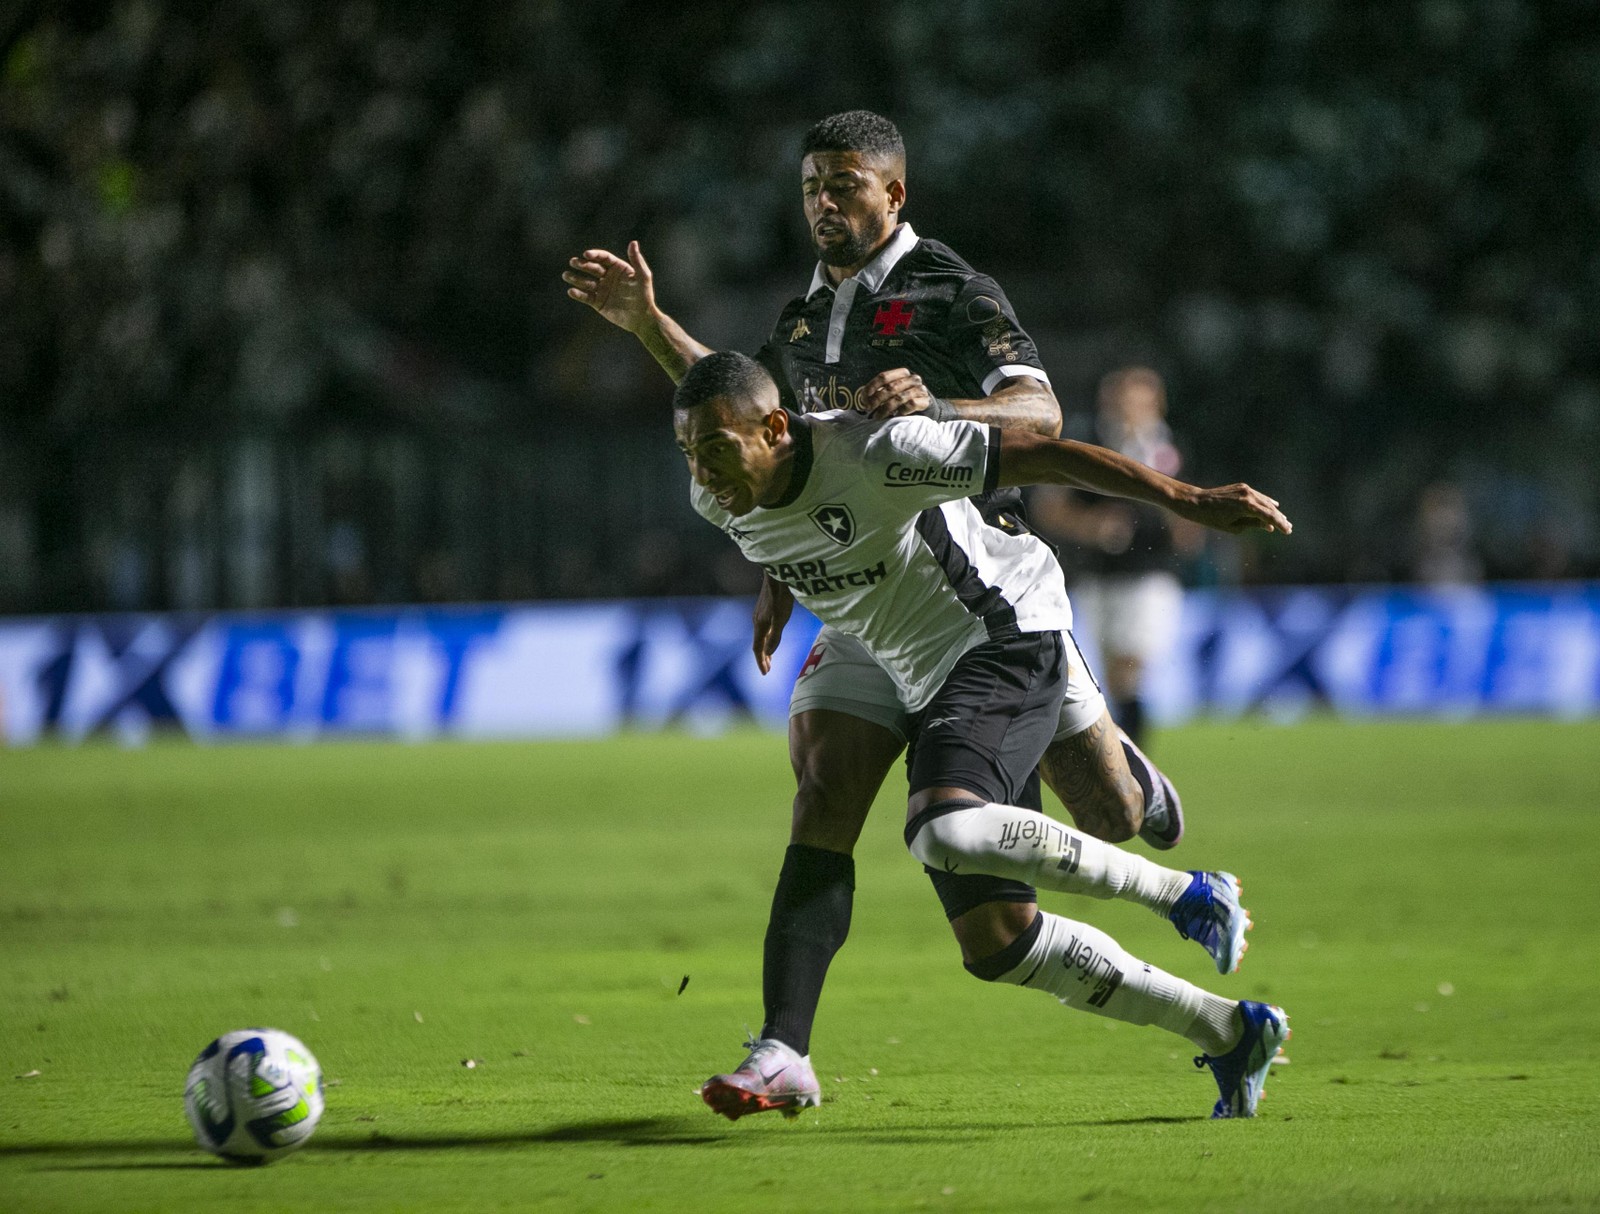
(896, 190)
(777, 426)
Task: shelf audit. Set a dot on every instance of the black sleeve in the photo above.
(983, 333)
(770, 358)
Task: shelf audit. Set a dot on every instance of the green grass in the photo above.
(1425, 905)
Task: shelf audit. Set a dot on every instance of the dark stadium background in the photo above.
(281, 321)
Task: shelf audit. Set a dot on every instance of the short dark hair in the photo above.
(856, 131)
(726, 374)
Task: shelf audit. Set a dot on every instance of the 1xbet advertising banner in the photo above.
(552, 671)
(588, 669)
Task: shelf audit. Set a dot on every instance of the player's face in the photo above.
(735, 461)
(851, 206)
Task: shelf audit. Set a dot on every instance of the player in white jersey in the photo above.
(867, 523)
(873, 514)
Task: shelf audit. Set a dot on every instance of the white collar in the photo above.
(871, 275)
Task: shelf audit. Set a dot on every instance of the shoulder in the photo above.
(897, 435)
(937, 265)
(835, 426)
(830, 421)
(786, 318)
(934, 256)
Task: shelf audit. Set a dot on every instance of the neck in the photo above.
(782, 472)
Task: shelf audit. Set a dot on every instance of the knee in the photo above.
(1122, 817)
(1114, 816)
(1109, 808)
(829, 810)
(988, 935)
(938, 835)
(821, 795)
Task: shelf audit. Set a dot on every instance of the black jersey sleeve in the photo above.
(770, 356)
(984, 335)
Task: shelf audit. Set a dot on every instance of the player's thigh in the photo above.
(1083, 704)
(1084, 764)
(982, 734)
(991, 719)
(1088, 770)
(847, 727)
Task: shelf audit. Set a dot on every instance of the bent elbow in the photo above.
(1049, 413)
(1051, 421)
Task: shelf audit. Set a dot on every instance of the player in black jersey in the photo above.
(891, 324)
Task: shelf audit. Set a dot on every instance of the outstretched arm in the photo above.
(1018, 403)
(1027, 459)
(774, 605)
(624, 293)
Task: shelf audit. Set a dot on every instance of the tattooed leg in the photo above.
(1089, 772)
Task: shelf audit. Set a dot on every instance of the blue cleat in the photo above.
(1241, 1073)
(1209, 912)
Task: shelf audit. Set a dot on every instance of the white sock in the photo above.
(1023, 844)
(1086, 969)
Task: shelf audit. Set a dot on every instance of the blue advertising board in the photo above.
(587, 669)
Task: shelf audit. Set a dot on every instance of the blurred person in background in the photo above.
(1128, 553)
(891, 324)
(1443, 547)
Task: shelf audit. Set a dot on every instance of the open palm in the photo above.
(621, 291)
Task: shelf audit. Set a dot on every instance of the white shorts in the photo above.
(839, 674)
(1130, 616)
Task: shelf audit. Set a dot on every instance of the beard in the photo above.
(855, 248)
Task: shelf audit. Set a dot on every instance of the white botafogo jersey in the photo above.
(876, 537)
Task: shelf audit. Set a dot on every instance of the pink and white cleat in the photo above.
(772, 1077)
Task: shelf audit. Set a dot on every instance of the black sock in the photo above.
(810, 920)
(1129, 714)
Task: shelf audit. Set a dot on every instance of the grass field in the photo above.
(1425, 909)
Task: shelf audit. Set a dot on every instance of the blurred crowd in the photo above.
(281, 323)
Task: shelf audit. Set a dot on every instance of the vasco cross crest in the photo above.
(835, 522)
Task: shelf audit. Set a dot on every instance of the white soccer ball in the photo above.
(254, 1095)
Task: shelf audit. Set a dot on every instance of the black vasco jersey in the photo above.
(916, 305)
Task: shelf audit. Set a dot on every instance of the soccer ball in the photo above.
(254, 1095)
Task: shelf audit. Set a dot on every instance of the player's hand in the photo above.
(774, 604)
(894, 394)
(623, 292)
(1237, 508)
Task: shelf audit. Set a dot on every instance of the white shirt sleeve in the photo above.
(914, 463)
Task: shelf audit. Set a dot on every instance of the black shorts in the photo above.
(985, 731)
(990, 721)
